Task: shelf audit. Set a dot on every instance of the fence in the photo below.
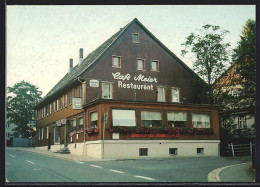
(241, 149)
(22, 142)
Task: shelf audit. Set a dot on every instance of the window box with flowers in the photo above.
(161, 130)
(92, 130)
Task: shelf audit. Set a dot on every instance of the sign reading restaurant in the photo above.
(131, 85)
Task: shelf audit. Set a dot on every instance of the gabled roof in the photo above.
(79, 69)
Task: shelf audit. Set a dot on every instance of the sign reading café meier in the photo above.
(130, 85)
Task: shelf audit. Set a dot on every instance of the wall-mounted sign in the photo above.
(76, 103)
(63, 121)
(131, 85)
(94, 83)
(58, 123)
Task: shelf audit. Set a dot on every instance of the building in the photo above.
(239, 118)
(130, 98)
(9, 130)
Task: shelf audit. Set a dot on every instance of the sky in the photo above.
(40, 39)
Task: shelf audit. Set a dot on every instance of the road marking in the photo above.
(30, 161)
(79, 162)
(96, 166)
(36, 169)
(116, 171)
(12, 156)
(7, 180)
(142, 177)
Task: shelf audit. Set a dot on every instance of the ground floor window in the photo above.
(56, 135)
(143, 152)
(123, 117)
(173, 151)
(177, 119)
(80, 123)
(151, 119)
(93, 119)
(73, 125)
(201, 120)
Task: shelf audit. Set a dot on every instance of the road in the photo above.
(22, 166)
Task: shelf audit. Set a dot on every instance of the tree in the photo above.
(23, 96)
(210, 52)
(245, 57)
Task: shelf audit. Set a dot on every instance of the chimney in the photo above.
(80, 55)
(71, 65)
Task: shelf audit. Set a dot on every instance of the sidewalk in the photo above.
(242, 172)
(58, 155)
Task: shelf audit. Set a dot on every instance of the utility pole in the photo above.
(103, 142)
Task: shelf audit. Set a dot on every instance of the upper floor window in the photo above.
(57, 105)
(140, 64)
(80, 90)
(136, 38)
(155, 65)
(234, 92)
(70, 96)
(106, 90)
(116, 61)
(75, 92)
(176, 95)
(61, 104)
(50, 108)
(241, 122)
(160, 94)
(66, 100)
(201, 120)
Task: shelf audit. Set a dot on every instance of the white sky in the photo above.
(41, 39)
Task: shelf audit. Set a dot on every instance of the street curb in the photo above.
(213, 176)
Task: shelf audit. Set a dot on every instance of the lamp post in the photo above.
(103, 142)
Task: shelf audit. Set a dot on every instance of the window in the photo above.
(234, 92)
(176, 95)
(143, 152)
(42, 133)
(50, 108)
(47, 132)
(56, 135)
(70, 96)
(107, 90)
(93, 119)
(140, 64)
(53, 105)
(155, 65)
(241, 122)
(200, 151)
(73, 125)
(116, 62)
(136, 38)
(80, 123)
(151, 119)
(160, 94)
(39, 134)
(173, 151)
(201, 120)
(66, 100)
(61, 104)
(177, 119)
(57, 105)
(75, 92)
(123, 117)
(80, 91)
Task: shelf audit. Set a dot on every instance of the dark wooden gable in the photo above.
(172, 71)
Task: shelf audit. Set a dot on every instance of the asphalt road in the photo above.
(29, 167)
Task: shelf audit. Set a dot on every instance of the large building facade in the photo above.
(130, 98)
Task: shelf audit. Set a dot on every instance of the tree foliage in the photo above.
(245, 57)
(210, 52)
(20, 101)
